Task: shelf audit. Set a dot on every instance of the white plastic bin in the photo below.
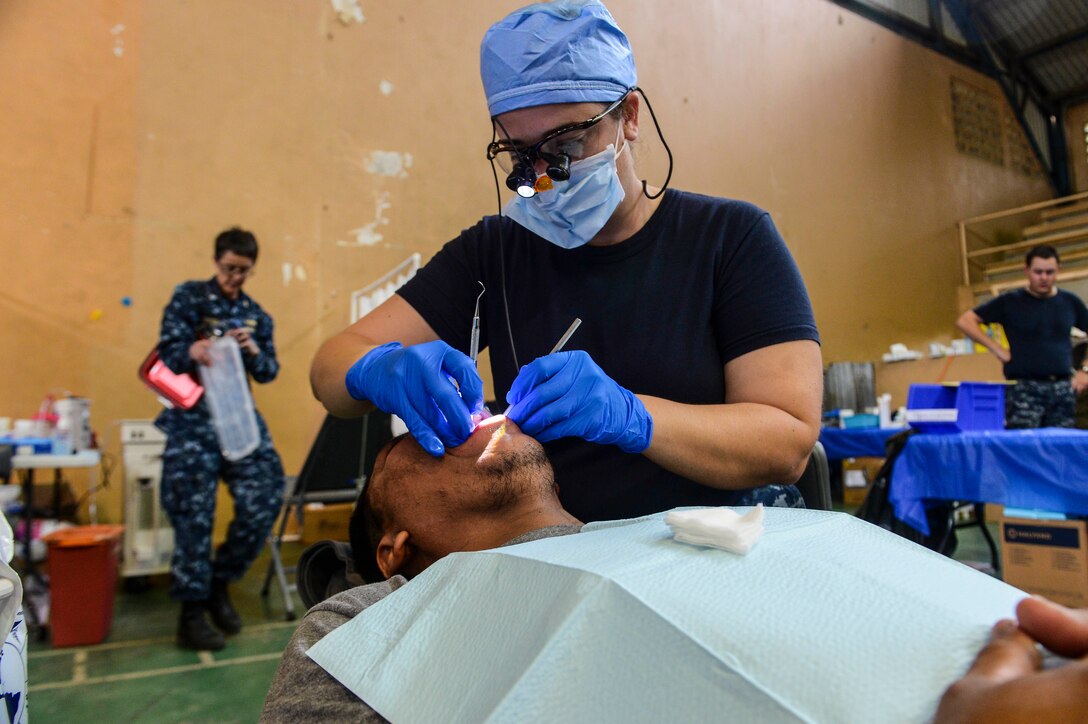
(229, 399)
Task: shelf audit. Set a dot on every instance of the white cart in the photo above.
(148, 541)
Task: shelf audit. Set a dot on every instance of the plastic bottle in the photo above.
(884, 403)
(45, 419)
(74, 421)
(229, 400)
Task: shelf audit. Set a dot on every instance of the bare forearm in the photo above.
(730, 446)
(969, 325)
(394, 320)
(985, 340)
(330, 366)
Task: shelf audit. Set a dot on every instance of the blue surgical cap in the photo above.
(567, 51)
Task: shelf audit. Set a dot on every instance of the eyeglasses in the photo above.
(234, 270)
(557, 148)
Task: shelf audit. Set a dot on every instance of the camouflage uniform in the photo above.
(1040, 403)
(192, 462)
(772, 496)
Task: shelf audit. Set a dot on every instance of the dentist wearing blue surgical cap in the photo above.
(695, 377)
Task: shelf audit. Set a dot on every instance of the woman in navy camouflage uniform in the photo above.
(193, 463)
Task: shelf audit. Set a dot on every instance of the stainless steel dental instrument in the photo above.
(559, 345)
(566, 335)
(474, 343)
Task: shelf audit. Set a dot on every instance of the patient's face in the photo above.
(494, 469)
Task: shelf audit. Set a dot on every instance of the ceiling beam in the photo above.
(1047, 46)
(921, 34)
(1075, 95)
(1019, 73)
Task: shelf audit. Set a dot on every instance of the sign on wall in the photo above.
(364, 301)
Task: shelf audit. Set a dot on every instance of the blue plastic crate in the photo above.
(951, 409)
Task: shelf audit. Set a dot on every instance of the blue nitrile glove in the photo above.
(567, 395)
(414, 383)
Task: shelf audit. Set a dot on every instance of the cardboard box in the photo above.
(857, 478)
(321, 521)
(1047, 557)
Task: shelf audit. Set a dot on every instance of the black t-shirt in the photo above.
(705, 281)
(1037, 329)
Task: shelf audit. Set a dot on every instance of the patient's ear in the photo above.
(395, 550)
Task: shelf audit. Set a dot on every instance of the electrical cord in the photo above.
(502, 263)
(661, 135)
(106, 465)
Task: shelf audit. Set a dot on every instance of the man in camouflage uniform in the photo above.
(192, 461)
(1037, 322)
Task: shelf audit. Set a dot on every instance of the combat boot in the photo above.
(194, 631)
(219, 606)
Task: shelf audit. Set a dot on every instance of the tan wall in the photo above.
(67, 183)
(127, 150)
(895, 378)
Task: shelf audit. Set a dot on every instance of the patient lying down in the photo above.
(495, 489)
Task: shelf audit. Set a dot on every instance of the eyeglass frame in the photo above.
(533, 152)
(233, 269)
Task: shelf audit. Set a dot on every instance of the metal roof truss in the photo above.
(1036, 50)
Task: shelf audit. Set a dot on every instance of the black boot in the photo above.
(219, 606)
(194, 631)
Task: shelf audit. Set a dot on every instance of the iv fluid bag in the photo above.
(229, 399)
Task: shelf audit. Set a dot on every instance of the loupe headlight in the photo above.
(523, 178)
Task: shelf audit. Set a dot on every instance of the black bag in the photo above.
(877, 508)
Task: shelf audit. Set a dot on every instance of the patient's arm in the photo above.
(1007, 682)
(301, 690)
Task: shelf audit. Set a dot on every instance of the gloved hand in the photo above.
(567, 395)
(414, 383)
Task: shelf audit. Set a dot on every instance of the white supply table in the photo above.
(28, 464)
(81, 459)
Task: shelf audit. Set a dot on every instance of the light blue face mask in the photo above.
(573, 211)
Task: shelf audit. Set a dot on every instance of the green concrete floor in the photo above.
(139, 675)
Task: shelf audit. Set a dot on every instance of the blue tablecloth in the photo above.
(855, 442)
(1045, 469)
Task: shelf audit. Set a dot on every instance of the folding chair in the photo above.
(336, 467)
(815, 482)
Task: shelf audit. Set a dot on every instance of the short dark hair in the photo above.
(1043, 251)
(364, 534)
(238, 241)
(365, 528)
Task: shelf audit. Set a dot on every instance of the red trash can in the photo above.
(82, 577)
